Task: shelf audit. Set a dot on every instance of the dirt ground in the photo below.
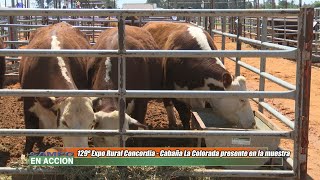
(11, 112)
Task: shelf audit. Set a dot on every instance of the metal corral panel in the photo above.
(205, 119)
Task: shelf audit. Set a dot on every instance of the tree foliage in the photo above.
(160, 3)
(316, 4)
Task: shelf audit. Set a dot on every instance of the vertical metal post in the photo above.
(244, 19)
(93, 24)
(224, 26)
(258, 23)
(231, 23)
(305, 21)
(206, 19)
(13, 31)
(250, 29)
(212, 19)
(273, 31)
(121, 77)
(317, 31)
(239, 32)
(263, 59)
(285, 32)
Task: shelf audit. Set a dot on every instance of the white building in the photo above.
(139, 6)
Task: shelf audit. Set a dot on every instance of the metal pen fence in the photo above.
(300, 92)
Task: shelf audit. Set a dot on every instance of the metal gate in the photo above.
(300, 92)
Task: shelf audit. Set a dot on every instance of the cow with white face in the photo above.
(236, 110)
(65, 73)
(198, 74)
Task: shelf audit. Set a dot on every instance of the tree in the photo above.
(110, 3)
(316, 4)
(249, 5)
(283, 4)
(160, 3)
(221, 4)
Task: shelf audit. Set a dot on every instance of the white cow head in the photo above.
(237, 110)
(72, 113)
(110, 121)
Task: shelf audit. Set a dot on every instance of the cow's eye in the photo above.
(242, 100)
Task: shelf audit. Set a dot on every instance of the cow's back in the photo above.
(46, 70)
(175, 36)
(161, 31)
(141, 73)
(2, 66)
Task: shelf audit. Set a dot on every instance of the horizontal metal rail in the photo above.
(37, 26)
(270, 77)
(277, 114)
(6, 35)
(282, 39)
(143, 133)
(30, 20)
(12, 59)
(147, 93)
(315, 58)
(287, 30)
(195, 172)
(16, 42)
(282, 26)
(256, 42)
(153, 12)
(148, 53)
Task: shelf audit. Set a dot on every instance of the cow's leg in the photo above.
(140, 110)
(170, 112)
(184, 113)
(139, 113)
(2, 71)
(31, 122)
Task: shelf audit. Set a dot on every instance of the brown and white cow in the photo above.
(141, 74)
(198, 74)
(2, 66)
(66, 73)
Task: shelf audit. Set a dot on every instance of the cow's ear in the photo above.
(226, 79)
(96, 103)
(46, 102)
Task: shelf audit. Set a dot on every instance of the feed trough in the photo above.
(205, 119)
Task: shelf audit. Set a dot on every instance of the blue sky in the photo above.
(120, 2)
